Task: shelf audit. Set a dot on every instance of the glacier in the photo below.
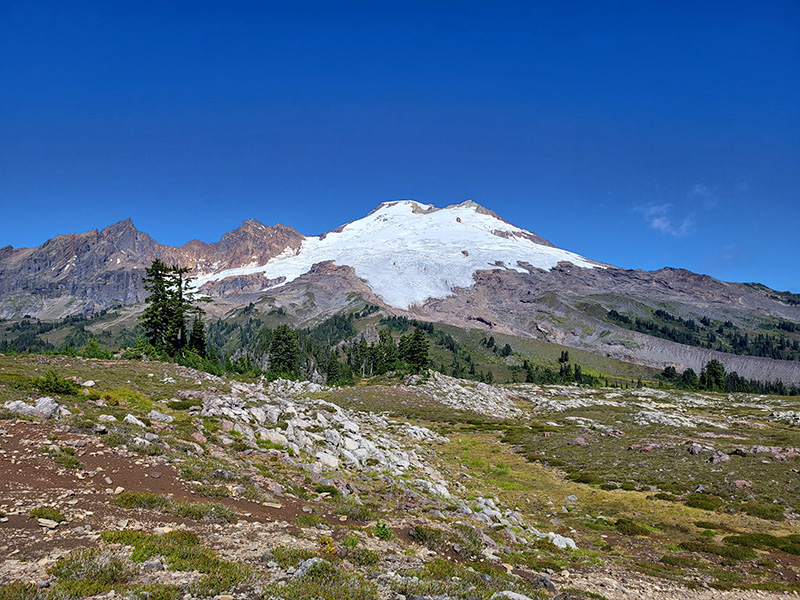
(408, 252)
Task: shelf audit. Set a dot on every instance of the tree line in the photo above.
(714, 378)
(721, 336)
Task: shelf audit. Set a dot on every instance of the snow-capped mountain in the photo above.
(462, 265)
(407, 252)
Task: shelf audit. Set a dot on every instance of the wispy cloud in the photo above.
(725, 257)
(660, 218)
(706, 194)
(700, 189)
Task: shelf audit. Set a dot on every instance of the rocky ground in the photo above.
(153, 480)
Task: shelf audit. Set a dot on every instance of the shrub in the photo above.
(66, 458)
(681, 562)
(430, 537)
(212, 491)
(383, 532)
(203, 512)
(587, 478)
(21, 591)
(356, 512)
(182, 551)
(629, 527)
(290, 557)
(708, 525)
(363, 556)
(665, 496)
(732, 552)
(770, 512)
(142, 500)
(89, 572)
(146, 449)
(183, 404)
(305, 520)
(325, 581)
(703, 501)
(332, 490)
(47, 512)
(52, 383)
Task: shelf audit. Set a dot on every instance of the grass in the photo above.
(182, 551)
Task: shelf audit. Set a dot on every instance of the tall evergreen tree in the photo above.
(169, 305)
(417, 351)
(284, 353)
(158, 317)
(386, 352)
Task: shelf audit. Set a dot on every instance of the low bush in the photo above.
(355, 512)
(770, 512)
(47, 512)
(629, 527)
(383, 532)
(142, 500)
(183, 404)
(430, 537)
(53, 383)
(290, 557)
(203, 512)
(325, 581)
(305, 520)
(703, 501)
(182, 551)
(681, 562)
(88, 572)
(732, 552)
(212, 491)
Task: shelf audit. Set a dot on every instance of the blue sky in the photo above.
(643, 134)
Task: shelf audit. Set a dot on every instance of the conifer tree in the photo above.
(158, 317)
(168, 307)
(197, 341)
(284, 353)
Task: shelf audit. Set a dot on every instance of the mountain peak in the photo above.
(408, 252)
(120, 226)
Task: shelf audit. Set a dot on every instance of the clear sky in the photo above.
(643, 134)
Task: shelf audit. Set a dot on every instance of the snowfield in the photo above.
(408, 252)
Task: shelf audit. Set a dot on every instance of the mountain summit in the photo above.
(408, 252)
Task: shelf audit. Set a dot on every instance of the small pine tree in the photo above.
(197, 341)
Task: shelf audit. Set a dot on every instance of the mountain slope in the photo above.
(408, 253)
(86, 272)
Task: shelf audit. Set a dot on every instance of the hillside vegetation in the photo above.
(153, 479)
